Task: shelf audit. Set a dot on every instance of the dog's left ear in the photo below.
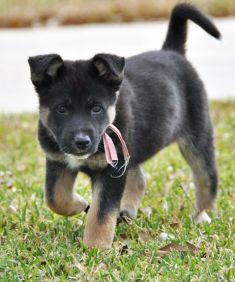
(44, 68)
(109, 68)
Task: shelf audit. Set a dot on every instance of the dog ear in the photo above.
(44, 68)
(109, 68)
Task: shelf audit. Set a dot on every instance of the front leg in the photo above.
(134, 191)
(59, 193)
(102, 215)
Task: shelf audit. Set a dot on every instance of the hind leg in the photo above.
(134, 191)
(199, 152)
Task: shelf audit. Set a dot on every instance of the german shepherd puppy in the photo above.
(154, 99)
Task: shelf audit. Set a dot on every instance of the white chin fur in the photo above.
(75, 161)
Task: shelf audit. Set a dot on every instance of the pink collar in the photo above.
(110, 150)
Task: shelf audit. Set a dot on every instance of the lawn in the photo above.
(38, 245)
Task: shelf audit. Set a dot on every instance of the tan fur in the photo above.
(93, 162)
(96, 162)
(73, 161)
(64, 201)
(55, 156)
(205, 201)
(134, 191)
(111, 113)
(44, 113)
(99, 234)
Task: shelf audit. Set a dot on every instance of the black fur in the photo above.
(161, 100)
(177, 31)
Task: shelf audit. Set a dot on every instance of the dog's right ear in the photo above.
(109, 68)
(44, 68)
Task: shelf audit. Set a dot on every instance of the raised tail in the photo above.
(177, 30)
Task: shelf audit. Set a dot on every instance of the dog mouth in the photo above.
(75, 153)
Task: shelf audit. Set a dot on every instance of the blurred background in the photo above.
(27, 13)
(78, 29)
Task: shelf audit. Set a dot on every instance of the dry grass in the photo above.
(24, 13)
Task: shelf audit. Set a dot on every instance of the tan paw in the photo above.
(99, 234)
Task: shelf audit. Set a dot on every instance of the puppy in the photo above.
(154, 99)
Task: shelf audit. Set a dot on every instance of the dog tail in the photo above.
(177, 30)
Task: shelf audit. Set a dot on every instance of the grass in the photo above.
(38, 245)
(25, 13)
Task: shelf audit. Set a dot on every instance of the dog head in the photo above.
(77, 98)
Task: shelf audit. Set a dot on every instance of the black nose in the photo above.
(82, 141)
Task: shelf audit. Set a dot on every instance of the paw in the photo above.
(68, 206)
(100, 244)
(79, 204)
(126, 215)
(202, 217)
(129, 212)
(99, 234)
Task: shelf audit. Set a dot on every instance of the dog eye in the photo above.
(61, 109)
(96, 109)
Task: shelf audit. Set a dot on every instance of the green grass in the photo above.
(38, 245)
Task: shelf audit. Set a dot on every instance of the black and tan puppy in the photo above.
(154, 98)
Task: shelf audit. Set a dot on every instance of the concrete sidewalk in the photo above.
(214, 60)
